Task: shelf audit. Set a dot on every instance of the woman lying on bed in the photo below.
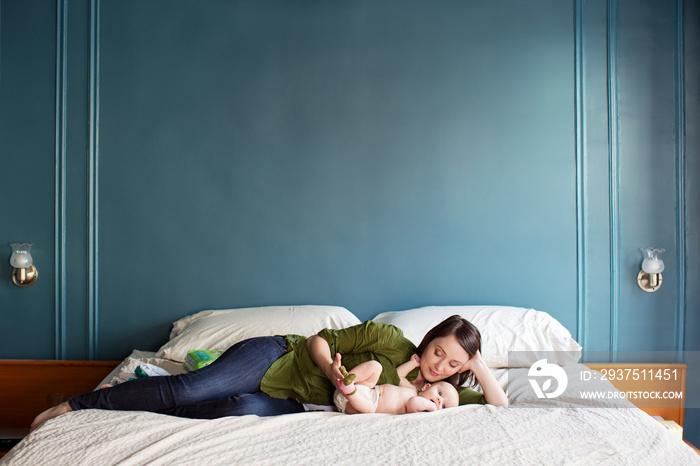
(268, 376)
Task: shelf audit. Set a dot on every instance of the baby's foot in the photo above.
(346, 385)
(50, 414)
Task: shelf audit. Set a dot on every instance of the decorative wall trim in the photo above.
(60, 179)
(614, 180)
(681, 240)
(579, 78)
(93, 178)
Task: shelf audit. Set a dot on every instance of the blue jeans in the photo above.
(230, 386)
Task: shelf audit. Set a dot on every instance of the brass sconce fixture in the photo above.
(24, 273)
(649, 278)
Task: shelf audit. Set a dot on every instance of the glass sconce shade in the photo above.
(24, 273)
(652, 262)
(21, 258)
(649, 278)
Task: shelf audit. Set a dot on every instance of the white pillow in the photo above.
(503, 330)
(219, 330)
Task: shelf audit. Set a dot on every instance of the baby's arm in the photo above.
(408, 366)
(417, 404)
(405, 368)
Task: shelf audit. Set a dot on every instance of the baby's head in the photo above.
(443, 394)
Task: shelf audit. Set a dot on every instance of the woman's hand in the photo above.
(493, 392)
(474, 361)
(333, 372)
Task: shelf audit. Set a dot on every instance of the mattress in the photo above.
(567, 430)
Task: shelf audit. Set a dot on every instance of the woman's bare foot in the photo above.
(50, 414)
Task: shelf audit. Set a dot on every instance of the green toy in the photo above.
(346, 385)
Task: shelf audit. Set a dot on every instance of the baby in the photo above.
(358, 392)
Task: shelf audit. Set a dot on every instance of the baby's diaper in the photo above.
(362, 390)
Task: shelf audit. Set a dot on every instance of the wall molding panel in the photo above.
(681, 226)
(141, 93)
(614, 180)
(93, 179)
(61, 157)
(579, 85)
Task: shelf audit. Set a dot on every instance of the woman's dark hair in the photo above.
(468, 337)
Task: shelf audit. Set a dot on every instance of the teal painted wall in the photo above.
(167, 157)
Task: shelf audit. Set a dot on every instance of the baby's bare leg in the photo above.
(359, 404)
(367, 373)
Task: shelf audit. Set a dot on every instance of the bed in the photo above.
(525, 349)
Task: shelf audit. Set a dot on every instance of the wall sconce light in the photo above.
(649, 278)
(24, 273)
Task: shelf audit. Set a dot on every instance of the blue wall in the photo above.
(168, 156)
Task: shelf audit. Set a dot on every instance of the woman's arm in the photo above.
(320, 353)
(370, 337)
(357, 344)
(493, 392)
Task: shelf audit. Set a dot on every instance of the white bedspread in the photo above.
(482, 434)
(531, 431)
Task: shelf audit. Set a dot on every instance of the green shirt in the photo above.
(296, 376)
